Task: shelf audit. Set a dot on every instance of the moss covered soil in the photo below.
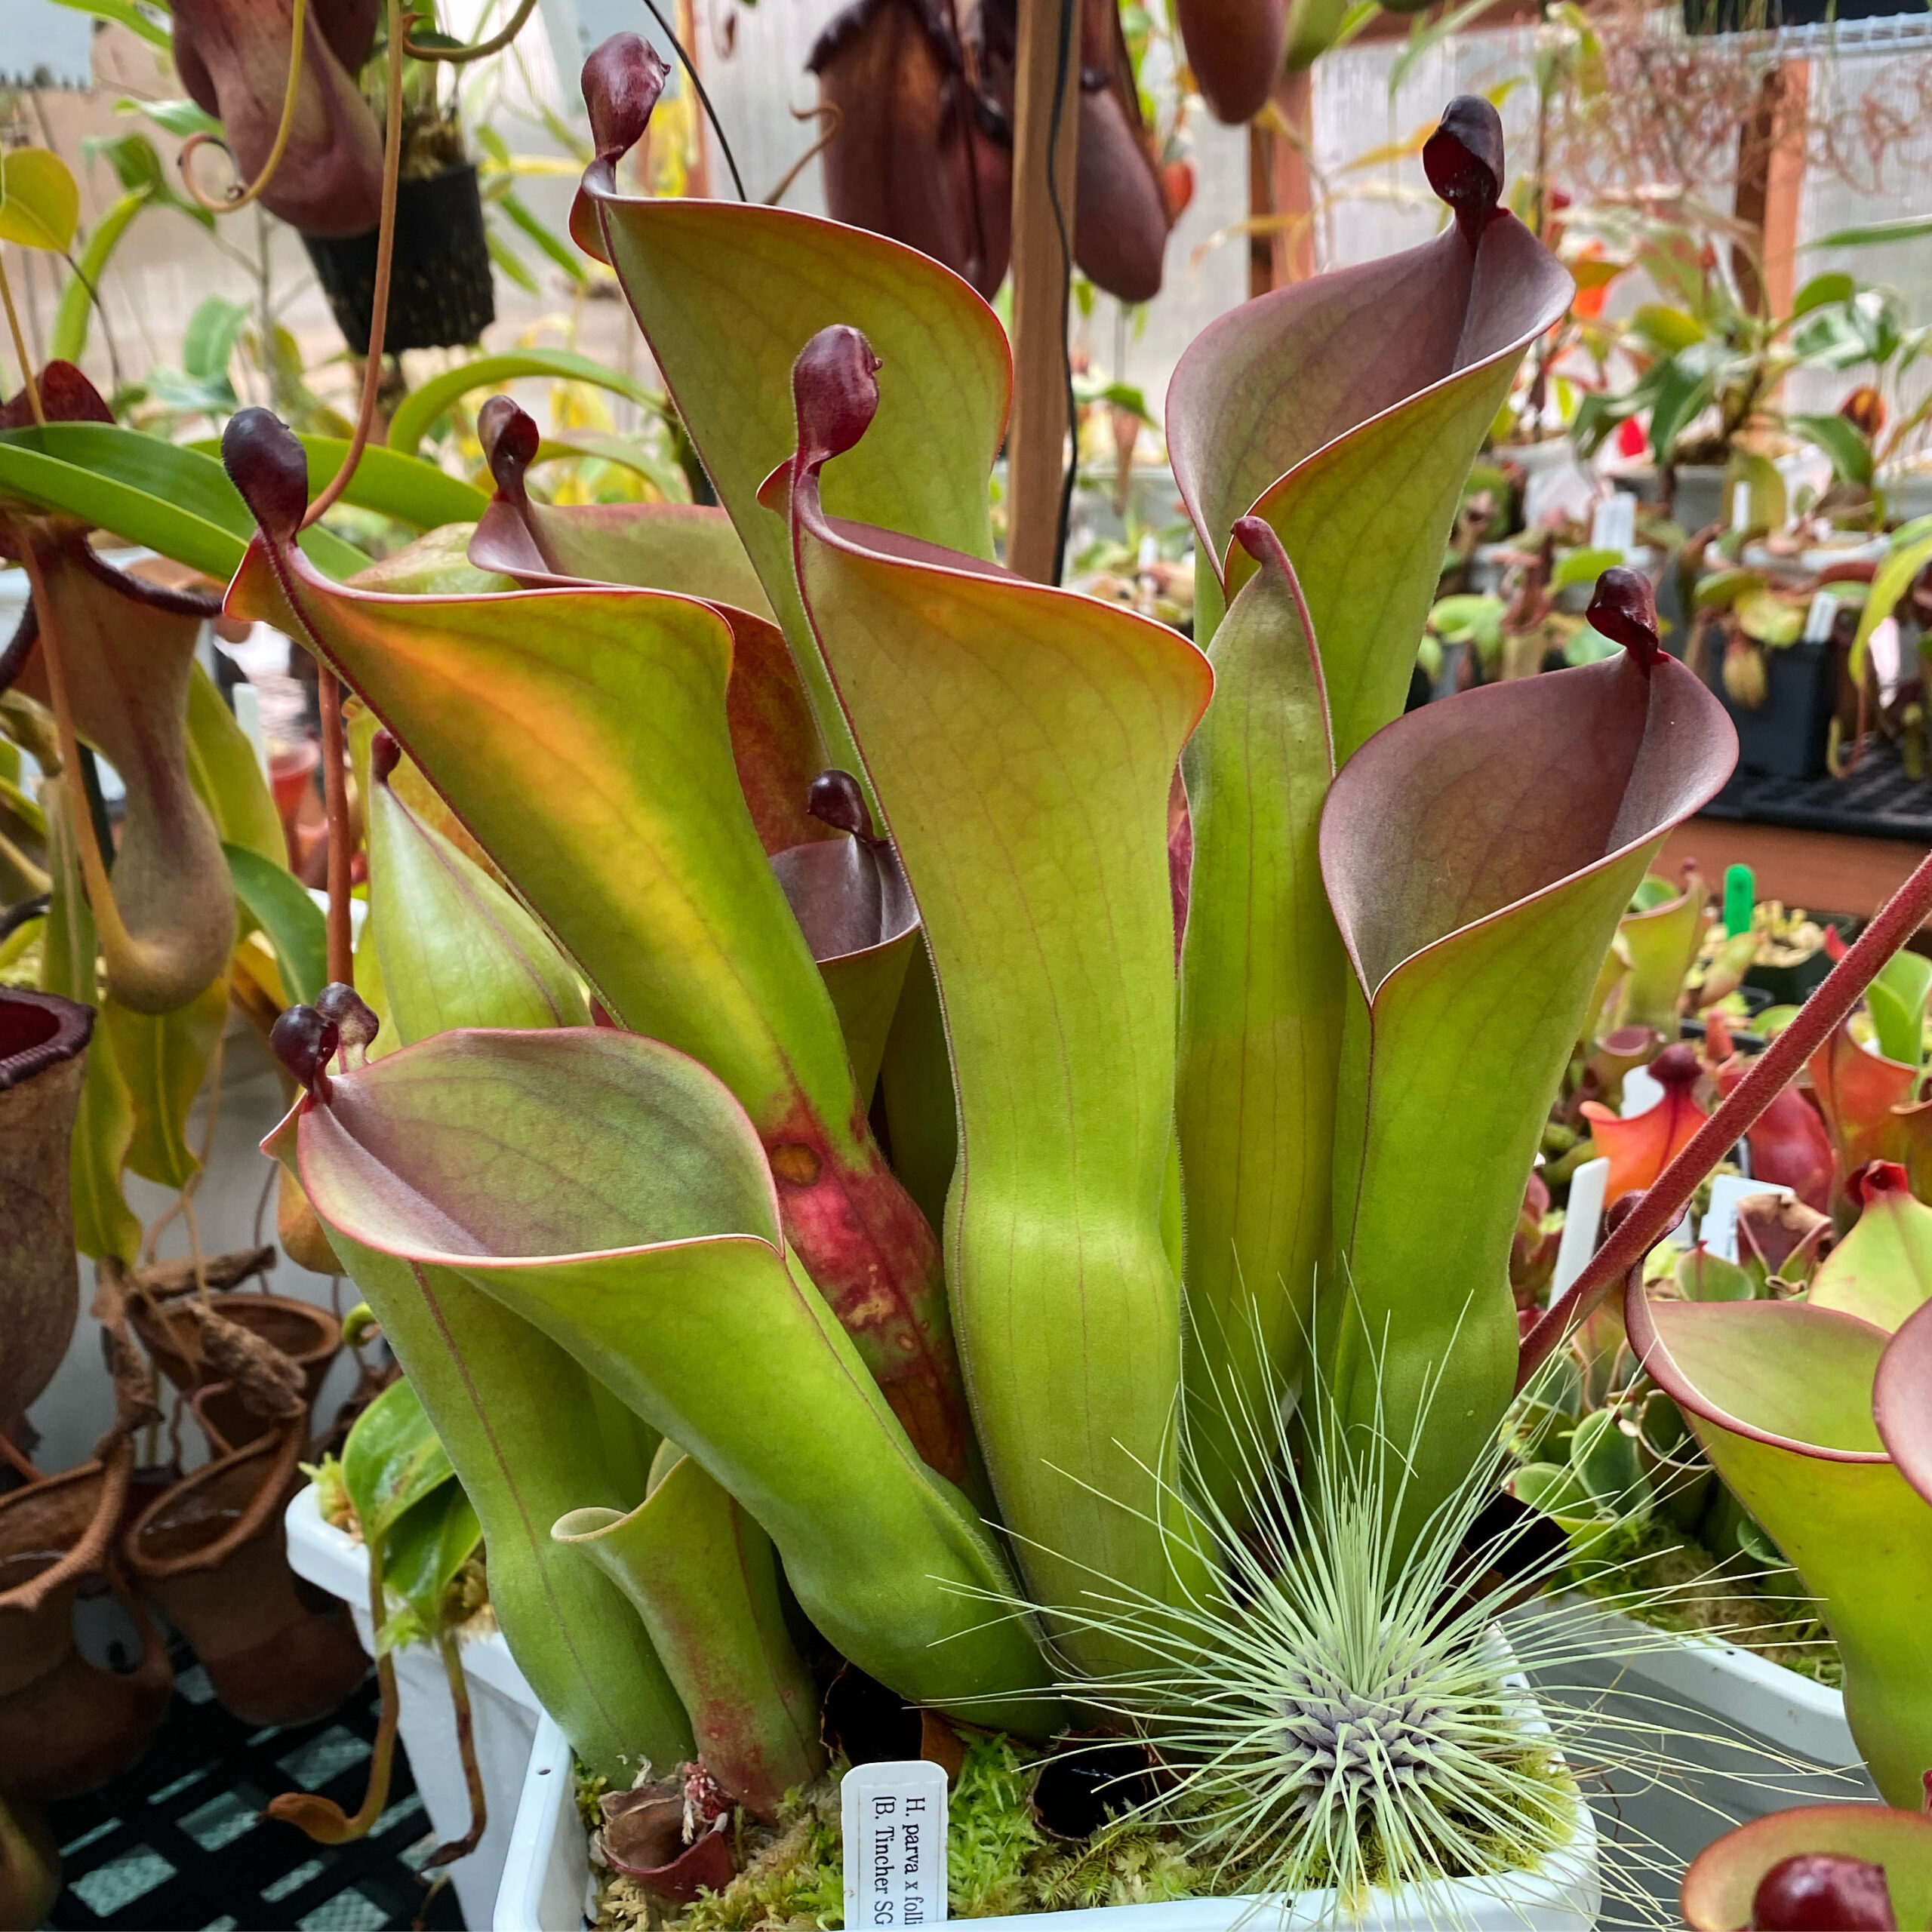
(998, 1860)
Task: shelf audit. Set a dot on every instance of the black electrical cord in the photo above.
(711, 113)
(1062, 66)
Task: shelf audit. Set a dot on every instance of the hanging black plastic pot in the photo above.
(441, 294)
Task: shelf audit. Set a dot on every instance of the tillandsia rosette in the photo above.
(999, 1254)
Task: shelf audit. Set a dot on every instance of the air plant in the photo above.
(1345, 1715)
(704, 1230)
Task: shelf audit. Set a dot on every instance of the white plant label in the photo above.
(1613, 523)
(1820, 617)
(893, 1816)
(1740, 506)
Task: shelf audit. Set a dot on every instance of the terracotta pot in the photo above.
(43, 1056)
(65, 1726)
(211, 1553)
(308, 1336)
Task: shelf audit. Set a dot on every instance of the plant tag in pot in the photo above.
(1819, 618)
(1613, 523)
(893, 1815)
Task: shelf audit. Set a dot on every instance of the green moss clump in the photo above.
(999, 1862)
(1765, 1611)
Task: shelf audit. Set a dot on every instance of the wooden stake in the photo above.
(1048, 75)
(697, 183)
(1770, 185)
(1278, 185)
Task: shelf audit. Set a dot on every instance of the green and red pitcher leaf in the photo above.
(1022, 741)
(1475, 918)
(1262, 981)
(728, 293)
(1780, 1396)
(1346, 411)
(701, 1575)
(610, 1193)
(1721, 1888)
(581, 736)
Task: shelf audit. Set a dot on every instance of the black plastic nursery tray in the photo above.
(179, 1844)
(1877, 801)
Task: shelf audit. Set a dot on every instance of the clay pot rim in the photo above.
(218, 1443)
(73, 1029)
(283, 1451)
(150, 1316)
(89, 1552)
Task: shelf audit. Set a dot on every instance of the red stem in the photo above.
(1663, 1206)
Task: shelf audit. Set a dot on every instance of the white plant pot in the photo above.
(504, 1712)
(1738, 1735)
(547, 1885)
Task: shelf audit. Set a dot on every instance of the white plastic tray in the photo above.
(503, 1711)
(547, 1883)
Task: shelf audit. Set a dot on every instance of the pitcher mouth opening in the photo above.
(37, 1031)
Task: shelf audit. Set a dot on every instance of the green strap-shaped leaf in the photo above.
(393, 1459)
(163, 1058)
(1346, 410)
(426, 1547)
(227, 775)
(417, 414)
(456, 950)
(172, 499)
(1262, 979)
(1021, 741)
(727, 294)
(1780, 1397)
(581, 736)
(279, 903)
(1475, 918)
(69, 339)
(702, 1576)
(610, 1190)
(387, 481)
